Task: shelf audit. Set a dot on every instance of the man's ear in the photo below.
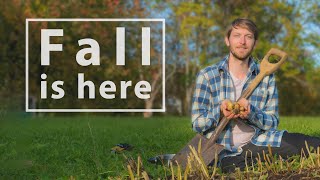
(226, 40)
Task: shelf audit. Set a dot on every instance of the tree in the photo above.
(281, 25)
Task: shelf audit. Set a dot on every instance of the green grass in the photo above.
(60, 147)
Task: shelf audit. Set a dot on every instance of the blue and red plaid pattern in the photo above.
(214, 84)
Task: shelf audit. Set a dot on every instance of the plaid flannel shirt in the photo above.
(214, 84)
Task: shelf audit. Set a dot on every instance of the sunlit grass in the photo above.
(55, 147)
(268, 166)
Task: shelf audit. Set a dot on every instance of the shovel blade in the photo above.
(208, 154)
(182, 156)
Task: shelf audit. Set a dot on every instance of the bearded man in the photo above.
(256, 127)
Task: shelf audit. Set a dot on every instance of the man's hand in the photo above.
(246, 105)
(228, 113)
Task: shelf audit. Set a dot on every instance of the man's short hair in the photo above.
(243, 23)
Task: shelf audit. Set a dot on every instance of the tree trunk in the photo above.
(148, 105)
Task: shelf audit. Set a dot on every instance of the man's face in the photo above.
(241, 43)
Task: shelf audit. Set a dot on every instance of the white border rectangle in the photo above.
(163, 109)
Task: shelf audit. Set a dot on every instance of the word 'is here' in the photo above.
(107, 89)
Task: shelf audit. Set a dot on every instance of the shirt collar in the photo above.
(253, 66)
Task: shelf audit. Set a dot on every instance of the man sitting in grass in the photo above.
(254, 128)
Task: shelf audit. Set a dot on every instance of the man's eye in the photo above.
(236, 35)
(249, 37)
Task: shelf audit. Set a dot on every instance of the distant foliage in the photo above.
(195, 39)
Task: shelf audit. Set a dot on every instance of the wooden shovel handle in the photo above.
(266, 68)
(269, 68)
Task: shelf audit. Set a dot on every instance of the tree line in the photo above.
(195, 33)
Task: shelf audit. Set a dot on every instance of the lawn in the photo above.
(61, 147)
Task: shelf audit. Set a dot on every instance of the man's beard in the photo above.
(241, 57)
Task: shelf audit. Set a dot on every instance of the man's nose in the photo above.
(243, 40)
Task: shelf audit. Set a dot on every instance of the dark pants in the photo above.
(291, 144)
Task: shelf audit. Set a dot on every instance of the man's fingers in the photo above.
(227, 113)
(230, 116)
(224, 106)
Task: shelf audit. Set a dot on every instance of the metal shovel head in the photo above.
(181, 157)
(207, 154)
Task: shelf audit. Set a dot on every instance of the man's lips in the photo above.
(242, 48)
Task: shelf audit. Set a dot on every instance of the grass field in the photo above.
(61, 147)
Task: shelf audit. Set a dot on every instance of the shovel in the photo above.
(210, 147)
